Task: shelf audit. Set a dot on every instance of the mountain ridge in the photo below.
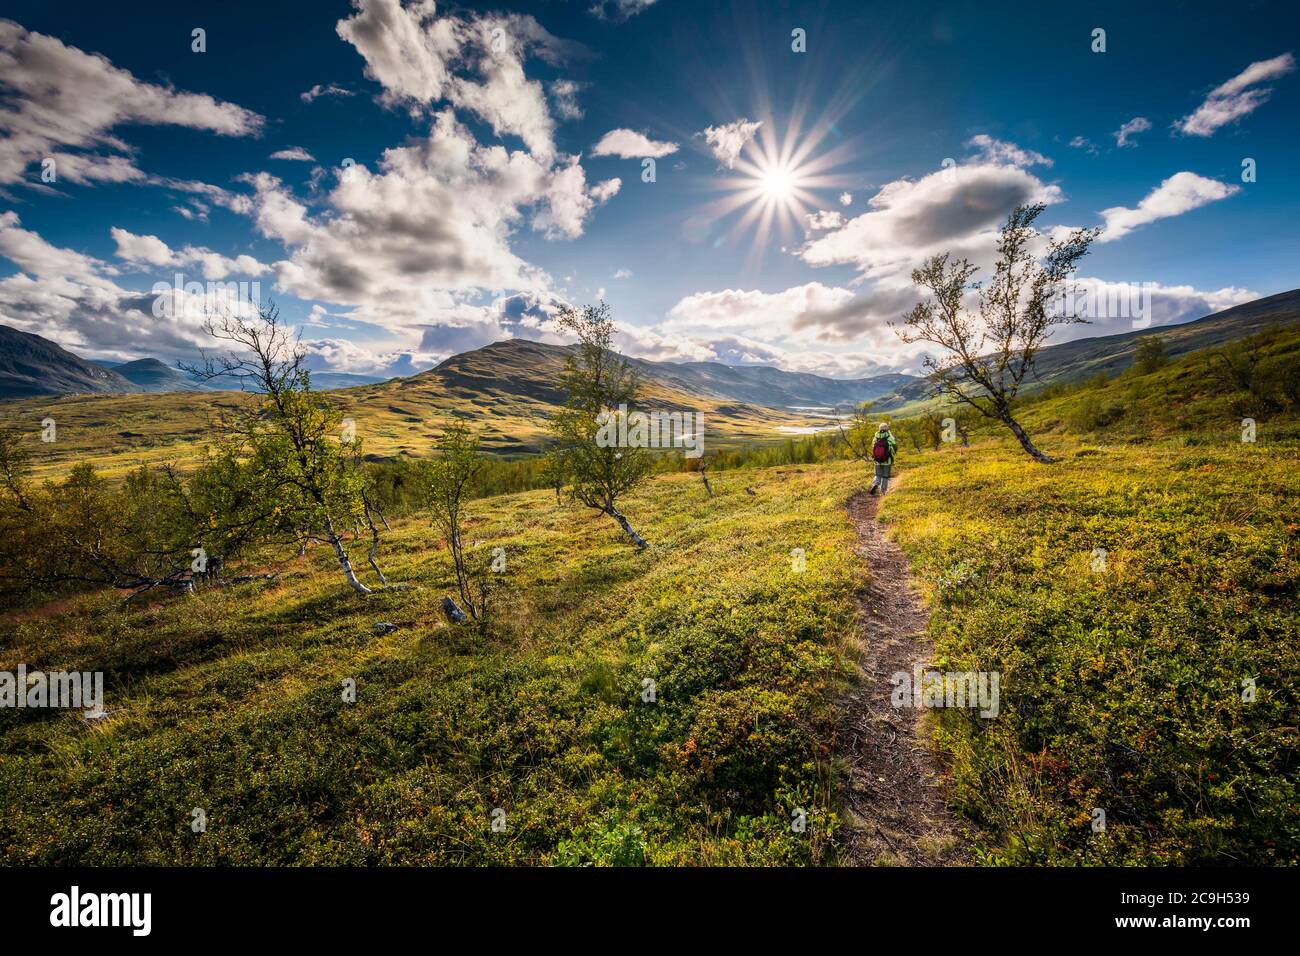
(31, 365)
(523, 369)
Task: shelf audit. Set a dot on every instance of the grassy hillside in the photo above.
(1071, 363)
(506, 397)
(230, 701)
(1123, 681)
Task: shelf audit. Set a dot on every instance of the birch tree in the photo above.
(600, 383)
(987, 353)
(305, 470)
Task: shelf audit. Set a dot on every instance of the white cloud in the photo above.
(34, 255)
(152, 251)
(406, 244)
(1001, 153)
(729, 139)
(196, 211)
(411, 244)
(952, 210)
(525, 315)
(564, 98)
(825, 219)
(58, 98)
(846, 199)
(623, 274)
(317, 91)
(400, 240)
(344, 355)
(628, 144)
(1082, 142)
(569, 201)
(619, 10)
(1138, 124)
(1236, 98)
(606, 189)
(790, 329)
(1180, 193)
(833, 331)
(1170, 305)
(742, 309)
(70, 298)
(296, 153)
(739, 349)
(142, 249)
(419, 58)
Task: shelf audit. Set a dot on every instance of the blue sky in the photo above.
(467, 169)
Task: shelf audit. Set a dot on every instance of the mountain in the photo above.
(1111, 354)
(524, 369)
(775, 388)
(31, 365)
(511, 388)
(508, 390)
(151, 375)
(532, 369)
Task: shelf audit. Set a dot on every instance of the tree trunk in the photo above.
(344, 561)
(374, 543)
(1025, 443)
(617, 515)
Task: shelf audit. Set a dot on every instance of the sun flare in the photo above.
(777, 184)
(778, 181)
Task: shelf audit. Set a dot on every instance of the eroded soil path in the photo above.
(894, 785)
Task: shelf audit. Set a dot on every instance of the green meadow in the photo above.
(677, 705)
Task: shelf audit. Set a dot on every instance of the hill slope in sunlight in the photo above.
(507, 389)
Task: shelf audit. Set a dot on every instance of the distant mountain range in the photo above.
(535, 367)
(31, 365)
(525, 372)
(151, 375)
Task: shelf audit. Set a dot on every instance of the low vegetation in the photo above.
(231, 700)
(676, 704)
(1140, 603)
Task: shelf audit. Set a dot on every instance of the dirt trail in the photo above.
(894, 784)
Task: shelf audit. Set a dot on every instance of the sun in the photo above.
(778, 184)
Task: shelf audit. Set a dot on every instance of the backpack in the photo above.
(880, 450)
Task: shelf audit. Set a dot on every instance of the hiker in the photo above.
(882, 453)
